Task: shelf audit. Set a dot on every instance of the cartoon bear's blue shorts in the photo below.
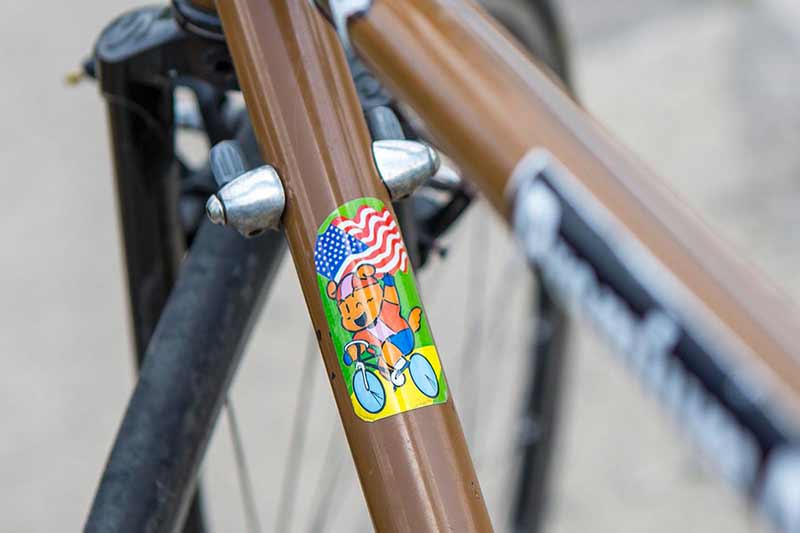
(404, 340)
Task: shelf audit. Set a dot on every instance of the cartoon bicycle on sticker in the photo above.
(383, 341)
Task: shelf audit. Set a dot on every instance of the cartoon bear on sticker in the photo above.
(372, 313)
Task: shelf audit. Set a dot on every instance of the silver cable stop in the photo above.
(341, 13)
(404, 165)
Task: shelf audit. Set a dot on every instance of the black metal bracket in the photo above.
(159, 45)
(139, 60)
(197, 21)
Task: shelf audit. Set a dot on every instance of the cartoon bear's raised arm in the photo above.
(367, 271)
(389, 290)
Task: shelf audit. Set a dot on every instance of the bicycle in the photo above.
(608, 245)
(367, 387)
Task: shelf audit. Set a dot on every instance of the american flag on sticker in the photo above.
(371, 237)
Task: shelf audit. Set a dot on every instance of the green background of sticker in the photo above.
(409, 298)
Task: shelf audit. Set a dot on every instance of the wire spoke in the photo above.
(332, 476)
(285, 510)
(473, 343)
(245, 482)
(498, 339)
(429, 284)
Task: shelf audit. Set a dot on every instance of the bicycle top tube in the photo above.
(612, 242)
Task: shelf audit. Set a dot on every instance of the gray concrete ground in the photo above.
(705, 91)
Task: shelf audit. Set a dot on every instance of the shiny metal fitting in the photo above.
(404, 165)
(341, 13)
(448, 177)
(250, 203)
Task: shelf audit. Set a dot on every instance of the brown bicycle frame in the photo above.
(414, 467)
(486, 105)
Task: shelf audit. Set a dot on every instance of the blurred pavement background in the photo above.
(706, 91)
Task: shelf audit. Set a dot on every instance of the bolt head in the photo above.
(215, 210)
(434, 159)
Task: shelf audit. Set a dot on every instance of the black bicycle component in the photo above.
(227, 162)
(559, 58)
(154, 50)
(535, 23)
(149, 52)
(371, 92)
(197, 186)
(189, 365)
(212, 102)
(147, 179)
(383, 123)
(197, 21)
(539, 419)
(137, 60)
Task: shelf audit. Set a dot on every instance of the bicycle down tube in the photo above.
(414, 466)
(705, 335)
